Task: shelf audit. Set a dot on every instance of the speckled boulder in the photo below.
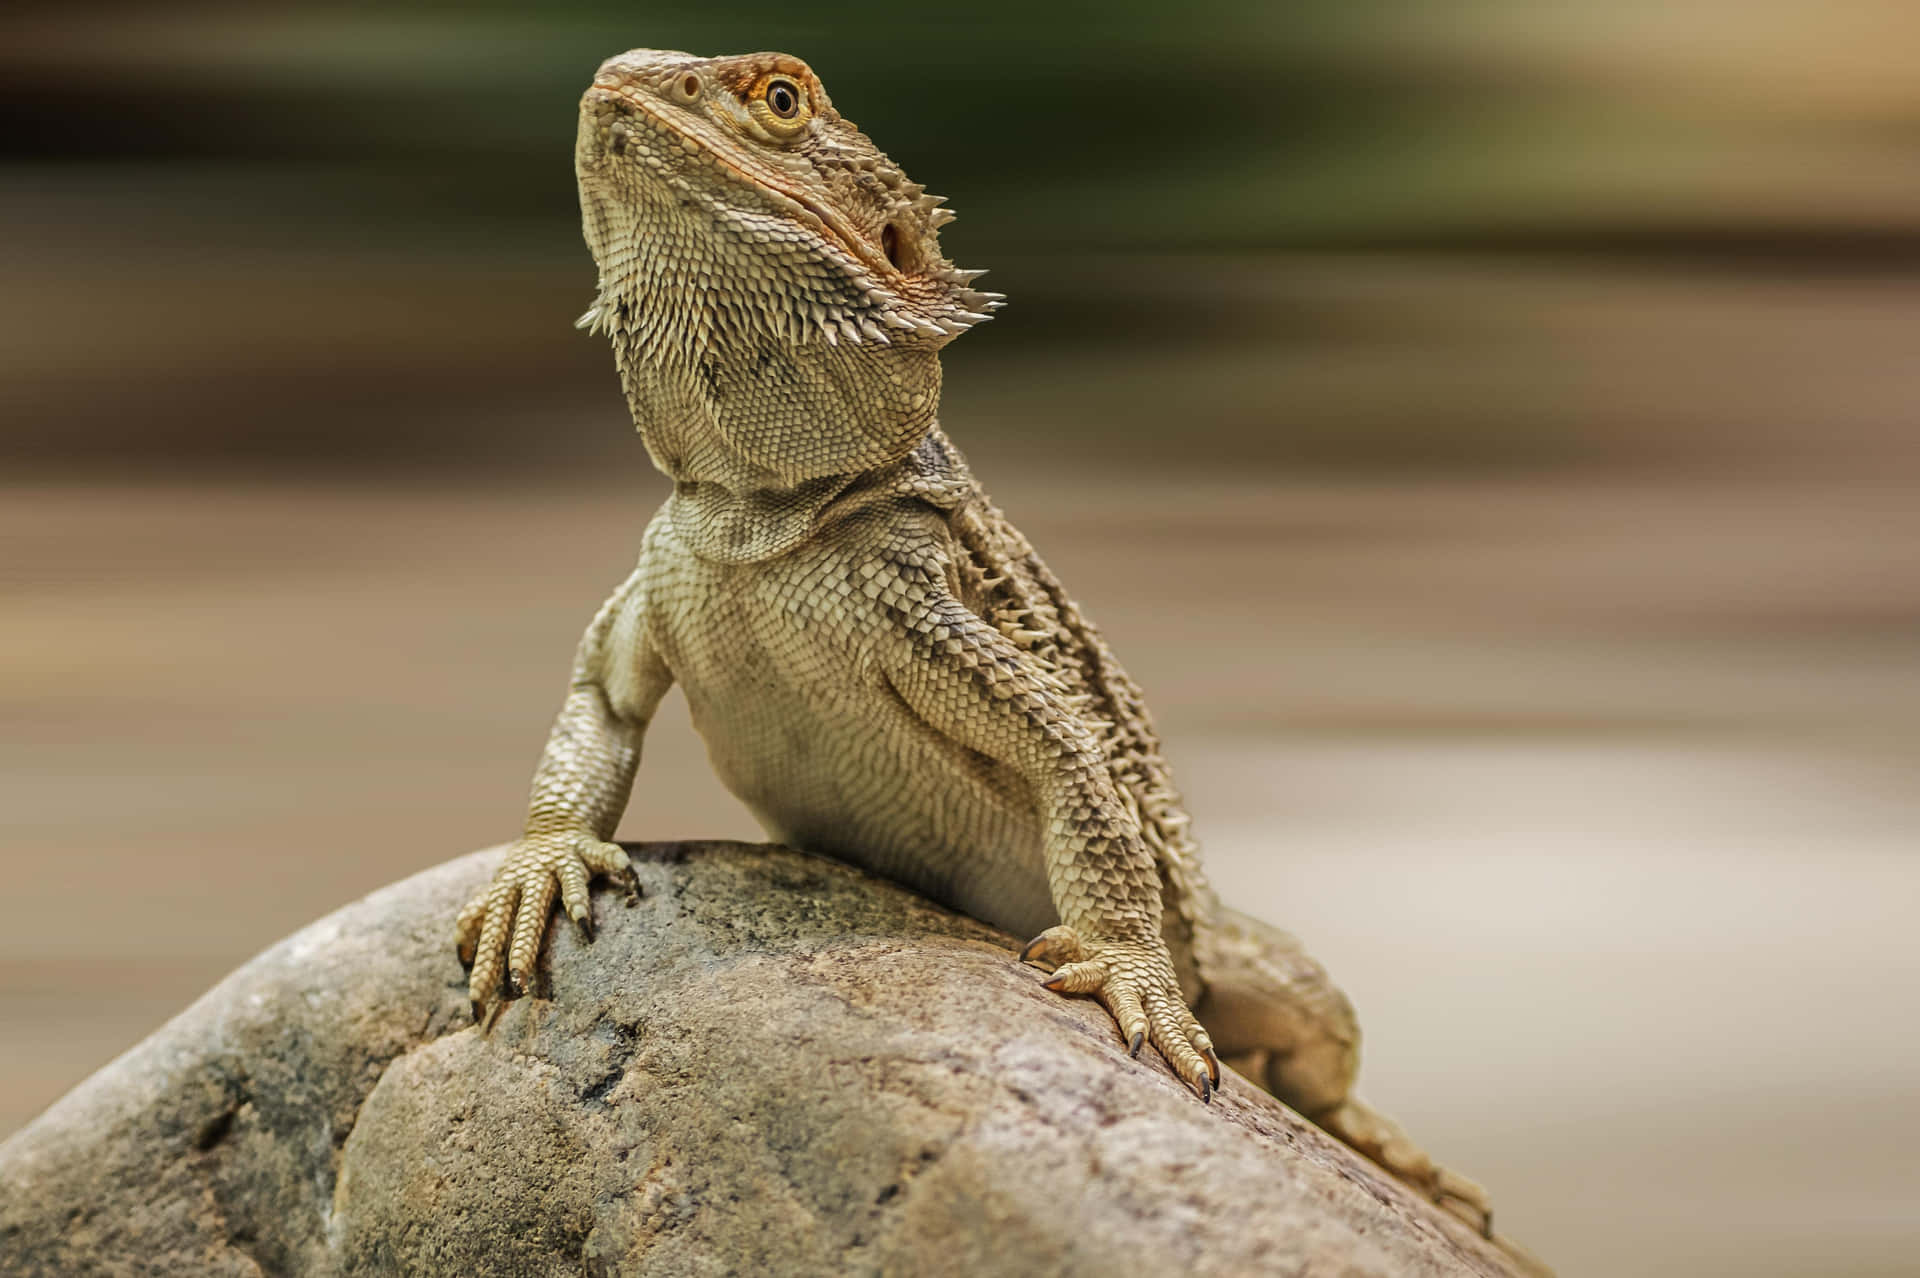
(769, 1064)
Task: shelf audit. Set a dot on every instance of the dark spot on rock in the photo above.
(598, 1089)
(214, 1130)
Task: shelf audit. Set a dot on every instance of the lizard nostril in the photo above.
(688, 89)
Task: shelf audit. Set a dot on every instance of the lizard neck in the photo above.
(751, 524)
(747, 525)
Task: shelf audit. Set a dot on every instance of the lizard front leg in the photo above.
(579, 792)
(972, 685)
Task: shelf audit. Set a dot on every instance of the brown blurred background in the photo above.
(1550, 367)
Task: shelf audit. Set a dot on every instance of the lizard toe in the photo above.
(1056, 947)
(1077, 978)
(499, 931)
(1137, 984)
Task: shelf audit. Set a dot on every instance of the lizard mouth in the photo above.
(632, 105)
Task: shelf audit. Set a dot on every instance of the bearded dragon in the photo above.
(882, 668)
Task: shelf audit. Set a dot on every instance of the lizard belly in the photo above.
(801, 728)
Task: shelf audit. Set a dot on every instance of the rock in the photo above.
(770, 1064)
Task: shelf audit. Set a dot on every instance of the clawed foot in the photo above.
(500, 929)
(1137, 983)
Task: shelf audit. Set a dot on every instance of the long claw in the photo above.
(585, 922)
(1206, 1090)
(478, 1010)
(1213, 1067)
(1133, 1048)
(1057, 947)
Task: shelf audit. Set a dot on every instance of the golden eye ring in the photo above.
(783, 98)
(780, 105)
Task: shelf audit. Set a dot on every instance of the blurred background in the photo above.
(1486, 429)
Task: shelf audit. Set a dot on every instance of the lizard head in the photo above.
(773, 284)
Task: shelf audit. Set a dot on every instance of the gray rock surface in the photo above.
(770, 1064)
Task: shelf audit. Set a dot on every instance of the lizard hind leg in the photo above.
(1276, 1018)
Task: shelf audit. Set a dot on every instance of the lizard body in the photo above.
(882, 668)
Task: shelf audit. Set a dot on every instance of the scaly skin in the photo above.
(883, 669)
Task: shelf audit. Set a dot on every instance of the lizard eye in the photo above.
(783, 99)
(780, 105)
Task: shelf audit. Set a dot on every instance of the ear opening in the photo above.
(894, 244)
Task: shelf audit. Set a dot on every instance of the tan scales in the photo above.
(882, 668)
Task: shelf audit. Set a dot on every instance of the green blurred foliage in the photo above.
(311, 225)
(465, 110)
(1218, 124)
